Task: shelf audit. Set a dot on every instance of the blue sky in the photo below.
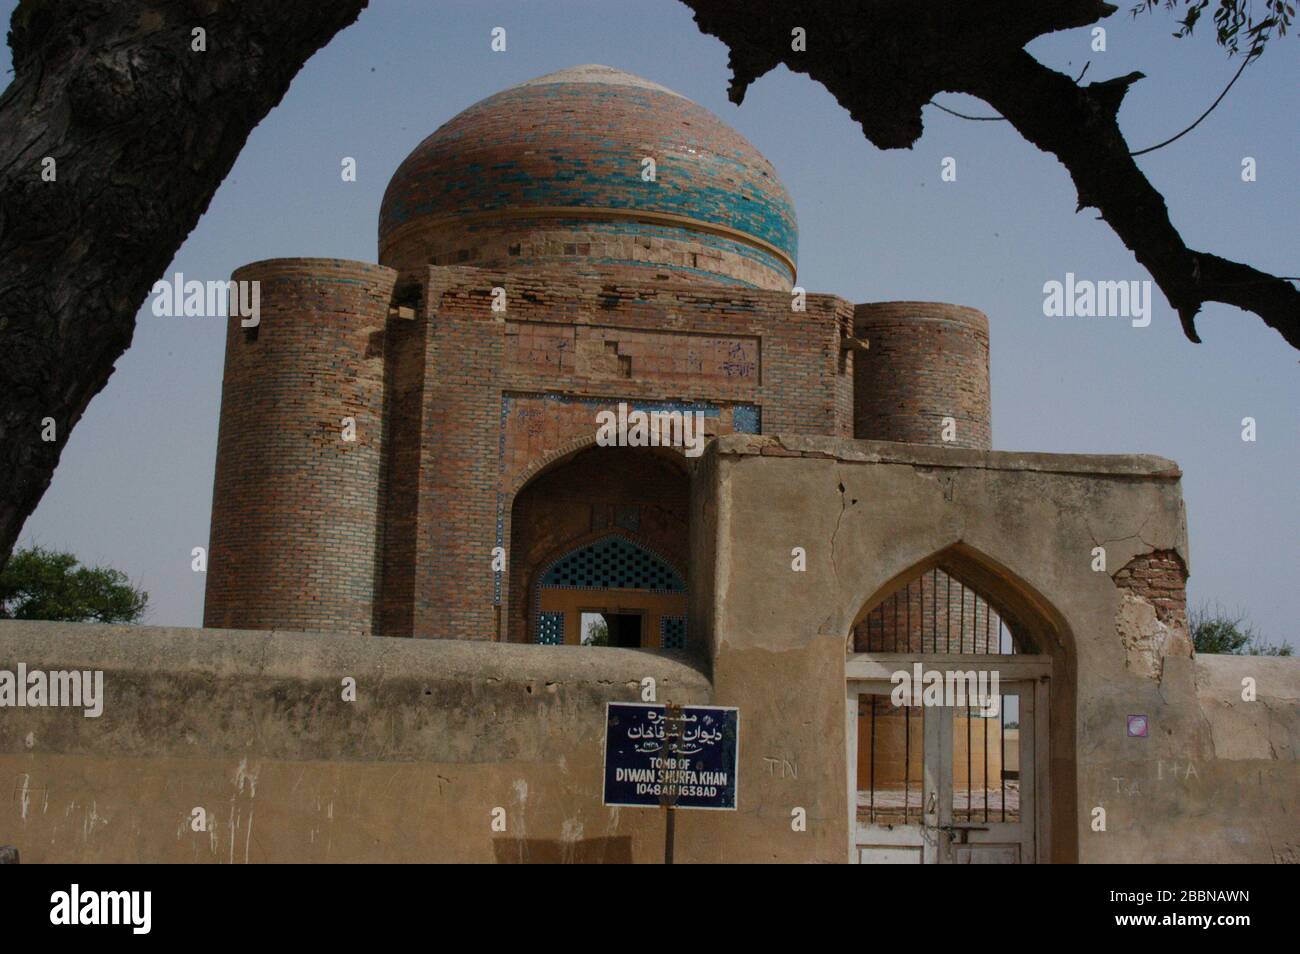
(135, 485)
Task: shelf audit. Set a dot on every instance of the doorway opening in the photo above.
(613, 591)
(606, 628)
(947, 723)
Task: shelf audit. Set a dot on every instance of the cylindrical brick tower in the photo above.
(295, 503)
(927, 361)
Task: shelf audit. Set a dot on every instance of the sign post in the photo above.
(669, 757)
(672, 733)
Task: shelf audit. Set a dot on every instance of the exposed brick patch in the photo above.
(1160, 578)
(1151, 621)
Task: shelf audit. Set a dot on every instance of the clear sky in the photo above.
(134, 487)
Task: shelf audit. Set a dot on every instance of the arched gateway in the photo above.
(949, 705)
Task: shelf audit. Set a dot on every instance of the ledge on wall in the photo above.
(1147, 466)
(315, 655)
(316, 697)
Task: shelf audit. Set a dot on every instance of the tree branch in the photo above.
(884, 61)
(1078, 125)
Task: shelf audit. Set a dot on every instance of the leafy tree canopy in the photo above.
(1216, 631)
(45, 584)
(596, 632)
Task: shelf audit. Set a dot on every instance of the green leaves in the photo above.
(45, 584)
(1232, 18)
(1216, 631)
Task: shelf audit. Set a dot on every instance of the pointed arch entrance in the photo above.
(598, 552)
(956, 679)
(612, 591)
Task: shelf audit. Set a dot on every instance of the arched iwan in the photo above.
(585, 495)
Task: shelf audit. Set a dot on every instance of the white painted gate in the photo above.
(942, 784)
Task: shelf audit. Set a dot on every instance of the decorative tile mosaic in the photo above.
(550, 629)
(672, 632)
(613, 563)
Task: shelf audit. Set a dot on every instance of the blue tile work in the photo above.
(672, 632)
(579, 144)
(550, 629)
(746, 419)
(614, 563)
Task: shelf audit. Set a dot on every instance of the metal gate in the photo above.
(946, 721)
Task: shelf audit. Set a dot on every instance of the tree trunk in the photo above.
(142, 128)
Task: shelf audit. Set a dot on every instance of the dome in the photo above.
(550, 173)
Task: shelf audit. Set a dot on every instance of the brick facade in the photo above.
(473, 404)
(509, 394)
(476, 384)
(927, 361)
(294, 505)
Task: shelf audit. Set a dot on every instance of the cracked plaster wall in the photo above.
(1021, 527)
(251, 726)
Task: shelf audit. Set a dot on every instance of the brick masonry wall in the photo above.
(630, 250)
(404, 419)
(457, 410)
(294, 513)
(927, 361)
(1160, 578)
(507, 394)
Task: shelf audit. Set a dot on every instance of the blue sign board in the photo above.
(687, 758)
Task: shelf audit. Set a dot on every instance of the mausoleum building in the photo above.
(583, 398)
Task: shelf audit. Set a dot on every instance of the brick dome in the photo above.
(550, 172)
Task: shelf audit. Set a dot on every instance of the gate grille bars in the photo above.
(934, 613)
